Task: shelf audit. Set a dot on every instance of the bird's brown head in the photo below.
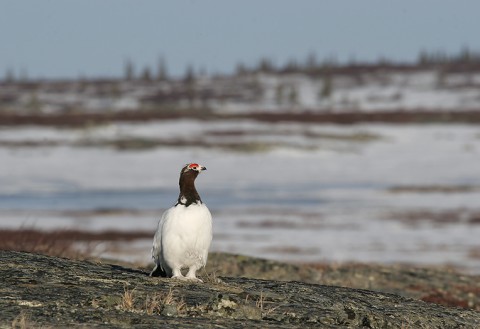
(188, 192)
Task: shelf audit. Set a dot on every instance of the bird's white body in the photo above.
(182, 239)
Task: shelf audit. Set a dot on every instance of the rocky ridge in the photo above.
(38, 290)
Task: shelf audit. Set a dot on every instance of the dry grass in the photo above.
(153, 304)
(168, 299)
(210, 277)
(128, 300)
(22, 321)
(159, 301)
(261, 303)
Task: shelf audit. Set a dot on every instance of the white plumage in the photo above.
(184, 232)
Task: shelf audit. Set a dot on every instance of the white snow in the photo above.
(386, 90)
(368, 92)
(313, 197)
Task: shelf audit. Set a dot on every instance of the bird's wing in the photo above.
(157, 239)
(157, 254)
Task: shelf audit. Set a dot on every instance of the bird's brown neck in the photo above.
(188, 193)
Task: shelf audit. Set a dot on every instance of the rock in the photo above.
(39, 290)
(169, 310)
(434, 284)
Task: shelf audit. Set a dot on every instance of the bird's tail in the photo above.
(158, 271)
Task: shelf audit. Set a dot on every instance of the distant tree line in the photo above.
(147, 73)
(465, 56)
(464, 60)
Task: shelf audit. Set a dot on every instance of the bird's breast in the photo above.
(192, 220)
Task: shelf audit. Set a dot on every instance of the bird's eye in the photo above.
(194, 168)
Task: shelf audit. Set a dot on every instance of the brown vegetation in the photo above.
(395, 117)
(61, 243)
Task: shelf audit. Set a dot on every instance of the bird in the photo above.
(184, 233)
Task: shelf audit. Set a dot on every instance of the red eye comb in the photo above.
(192, 165)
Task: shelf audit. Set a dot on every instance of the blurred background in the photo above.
(333, 131)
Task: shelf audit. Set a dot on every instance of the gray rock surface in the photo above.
(39, 291)
(439, 285)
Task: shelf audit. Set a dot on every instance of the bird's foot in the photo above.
(187, 278)
(179, 277)
(193, 278)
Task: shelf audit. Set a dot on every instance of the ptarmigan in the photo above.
(184, 232)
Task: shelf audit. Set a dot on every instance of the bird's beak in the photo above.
(203, 168)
